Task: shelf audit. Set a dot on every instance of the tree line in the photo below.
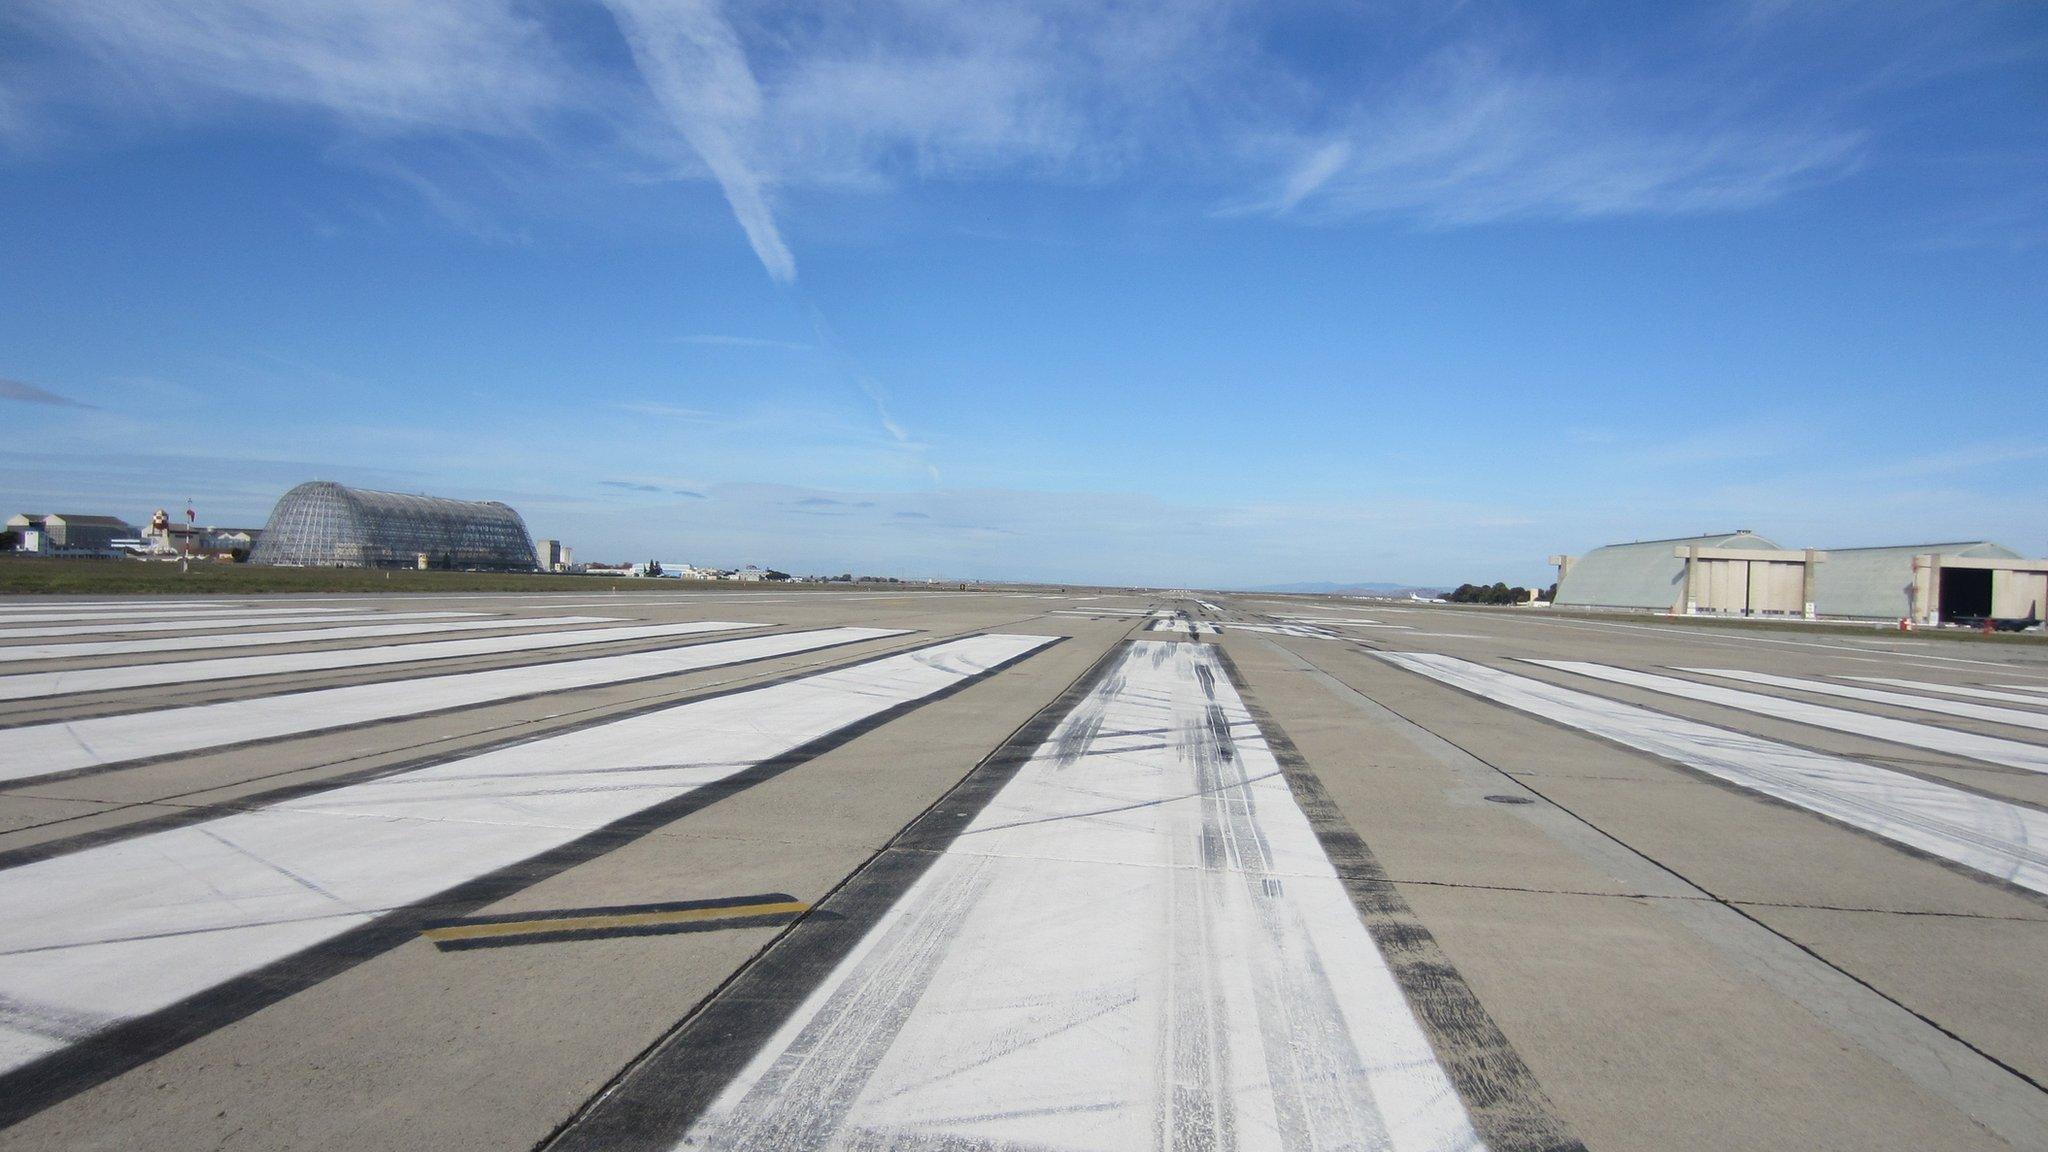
(1495, 593)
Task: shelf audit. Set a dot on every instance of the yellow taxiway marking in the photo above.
(588, 923)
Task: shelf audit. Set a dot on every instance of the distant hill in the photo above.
(1329, 588)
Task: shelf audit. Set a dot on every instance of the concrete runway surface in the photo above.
(806, 869)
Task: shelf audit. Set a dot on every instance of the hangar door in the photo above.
(1965, 593)
(1750, 586)
(2017, 594)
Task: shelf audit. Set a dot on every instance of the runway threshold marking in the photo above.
(2002, 840)
(578, 924)
(1970, 690)
(30, 685)
(211, 641)
(220, 621)
(1959, 708)
(1134, 936)
(57, 612)
(41, 750)
(1189, 628)
(1990, 749)
(1299, 631)
(112, 955)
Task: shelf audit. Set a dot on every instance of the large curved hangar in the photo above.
(1646, 573)
(326, 525)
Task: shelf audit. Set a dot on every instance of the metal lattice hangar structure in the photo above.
(326, 525)
(1742, 573)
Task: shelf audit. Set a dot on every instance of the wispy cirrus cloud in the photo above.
(27, 393)
(669, 411)
(716, 341)
(384, 65)
(1453, 117)
(1472, 138)
(697, 70)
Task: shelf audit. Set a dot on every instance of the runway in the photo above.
(27, 685)
(1161, 945)
(836, 869)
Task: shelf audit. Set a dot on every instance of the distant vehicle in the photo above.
(1427, 599)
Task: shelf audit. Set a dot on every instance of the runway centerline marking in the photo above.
(1990, 749)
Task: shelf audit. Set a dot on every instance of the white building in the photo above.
(553, 555)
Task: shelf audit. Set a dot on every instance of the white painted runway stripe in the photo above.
(1138, 943)
(220, 622)
(67, 603)
(2036, 688)
(107, 934)
(1970, 690)
(20, 652)
(1878, 696)
(151, 612)
(2008, 841)
(1990, 749)
(38, 750)
(1300, 631)
(1185, 627)
(29, 685)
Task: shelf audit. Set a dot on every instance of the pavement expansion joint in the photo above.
(1527, 890)
(1934, 913)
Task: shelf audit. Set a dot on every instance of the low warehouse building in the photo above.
(1737, 572)
(1930, 583)
(1743, 573)
(324, 525)
(67, 533)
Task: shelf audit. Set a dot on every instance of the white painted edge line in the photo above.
(21, 652)
(38, 750)
(29, 685)
(1990, 749)
(103, 935)
(1991, 836)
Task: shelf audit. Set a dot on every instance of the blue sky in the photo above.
(1204, 294)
